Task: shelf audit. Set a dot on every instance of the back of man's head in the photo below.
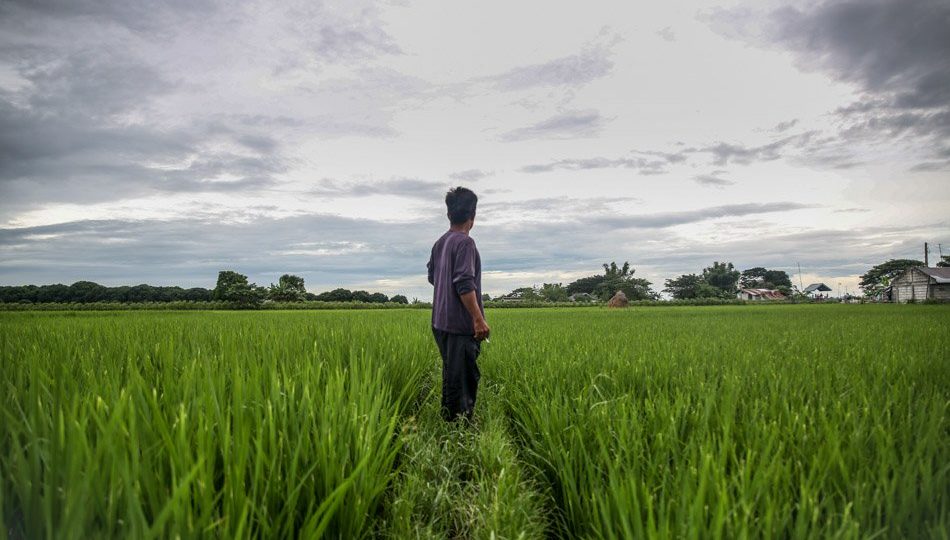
(461, 203)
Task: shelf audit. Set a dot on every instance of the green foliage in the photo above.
(289, 288)
(233, 287)
(157, 425)
(944, 261)
(528, 294)
(646, 423)
(584, 285)
(87, 291)
(345, 295)
(879, 277)
(615, 278)
(378, 298)
(683, 430)
(553, 292)
(692, 286)
(722, 276)
(399, 299)
(763, 278)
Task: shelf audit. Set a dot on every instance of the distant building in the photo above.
(755, 295)
(921, 283)
(817, 288)
(582, 297)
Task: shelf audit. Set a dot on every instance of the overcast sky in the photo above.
(160, 142)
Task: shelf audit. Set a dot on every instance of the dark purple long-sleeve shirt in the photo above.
(455, 268)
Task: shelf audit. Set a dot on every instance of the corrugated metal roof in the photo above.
(765, 293)
(940, 275)
(817, 287)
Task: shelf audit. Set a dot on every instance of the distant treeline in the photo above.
(83, 292)
(213, 305)
(232, 289)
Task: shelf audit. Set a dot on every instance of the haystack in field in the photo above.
(618, 300)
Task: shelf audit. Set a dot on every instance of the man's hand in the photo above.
(470, 301)
(481, 329)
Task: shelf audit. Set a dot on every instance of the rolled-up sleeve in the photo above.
(430, 266)
(463, 267)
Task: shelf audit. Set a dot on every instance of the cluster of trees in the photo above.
(722, 280)
(231, 287)
(602, 287)
(86, 291)
(234, 287)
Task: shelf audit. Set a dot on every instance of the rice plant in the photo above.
(687, 422)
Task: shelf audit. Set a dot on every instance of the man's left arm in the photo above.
(480, 326)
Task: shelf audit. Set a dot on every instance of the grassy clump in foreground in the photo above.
(788, 421)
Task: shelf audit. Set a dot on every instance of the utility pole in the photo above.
(926, 255)
(801, 285)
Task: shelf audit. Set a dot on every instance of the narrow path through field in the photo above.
(462, 480)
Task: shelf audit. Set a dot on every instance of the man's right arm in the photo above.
(431, 269)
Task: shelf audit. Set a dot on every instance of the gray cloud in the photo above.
(552, 208)
(669, 219)
(358, 40)
(713, 179)
(725, 153)
(782, 127)
(150, 16)
(48, 156)
(658, 162)
(896, 47)
(403, 187)
(567, 125)
(330, 251)
(470, 175)
(896, 52)
(88, 119)
(571, 70)
(642, 165)
(192, 250)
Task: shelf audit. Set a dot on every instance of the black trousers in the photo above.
(459, 373)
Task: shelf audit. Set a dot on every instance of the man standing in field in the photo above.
(458, 318)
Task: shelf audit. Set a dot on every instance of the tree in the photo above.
(197, 294)
(399, 299)
(289, 288)
(615, 278)
(87, 291)
(233, 287)
(690, 286)
(763, 278)
(584, 285)
(722, 276)
(528, 294)
(52, 293)
(879, 277)
(486, 297)
(336, 295)
(361, 296)
(553, 292)
(378, 298)
(944, 261)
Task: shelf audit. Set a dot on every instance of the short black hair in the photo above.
(461, 203)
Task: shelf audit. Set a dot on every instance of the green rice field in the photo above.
(793, 421)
